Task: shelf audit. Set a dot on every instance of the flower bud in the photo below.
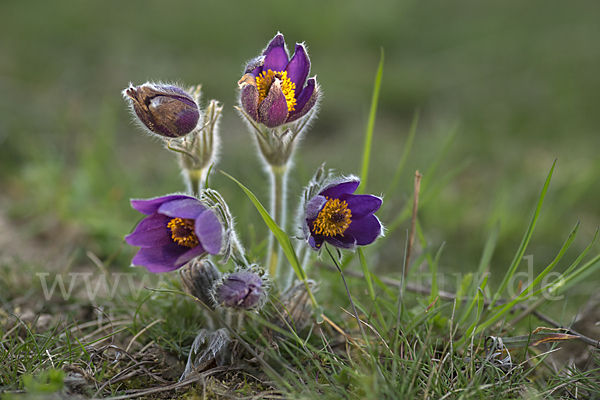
(242, 289)
(198, 278)
(166, 110)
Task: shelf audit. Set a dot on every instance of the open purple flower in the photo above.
(177, 229)
(340, 218)
(166, 110)
(274, 89)
(242, 289)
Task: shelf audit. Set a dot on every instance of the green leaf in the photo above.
(528, 291)
(370, 126)
(524, 242)
(480, 300)
(366, 273)
(433, 269)
(407, 147)
(575, 277)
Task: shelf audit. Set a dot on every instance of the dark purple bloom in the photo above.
(241, 289)
(177, 229)
(164, 109)
(340, 218)
(274, 89)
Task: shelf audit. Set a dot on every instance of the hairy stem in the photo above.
(278, 213)
(194, 179)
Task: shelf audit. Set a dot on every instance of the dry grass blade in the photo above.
(141, 332)
(413, 221)
(130, 394)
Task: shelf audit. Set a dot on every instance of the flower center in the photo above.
(182, 232)
(266, 79)
(334, 218)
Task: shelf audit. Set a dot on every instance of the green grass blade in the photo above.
(382, 285)
(588, 268)
(480, 300)
(431, 170)
(486, 257)
(558, 286)
(528, 291)
(427, 195)
(370, 126)
(523, 246)
(488, 248)
(366, 273)
(433, 269)
(474, 299)
(407, 147)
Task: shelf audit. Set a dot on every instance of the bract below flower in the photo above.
(274, 89)
(339, 217)
(177, 229)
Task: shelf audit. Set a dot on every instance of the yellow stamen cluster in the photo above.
(182, 232)
(334, 218)
(266, 79)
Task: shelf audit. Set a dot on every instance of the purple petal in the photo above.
(241, 289)
(306, 100)
(364, 230)
(340, 187)
(255, 65)
(314, 206)
(210, 232)
(189, 208)
(362, 205)
(186, 120)
(273, 110)
(152, 231)
(249, 99)
(276, 57)
(148, 206)
(189, 255)
(253, 298)
(343, 242)
(315, 242)
(159, 259)
(298, 67)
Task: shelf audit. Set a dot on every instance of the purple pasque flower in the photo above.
(177, 229)
(274, 89)
(166, 110)
(340, 218)
(242, 289)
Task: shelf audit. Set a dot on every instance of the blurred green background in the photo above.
(517, 82)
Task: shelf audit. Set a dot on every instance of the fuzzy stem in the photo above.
(278, 213)
(238, 254)
(194, 179)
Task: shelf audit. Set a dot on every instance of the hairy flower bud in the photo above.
(166, 110)
(242, 289)
(198, 278)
